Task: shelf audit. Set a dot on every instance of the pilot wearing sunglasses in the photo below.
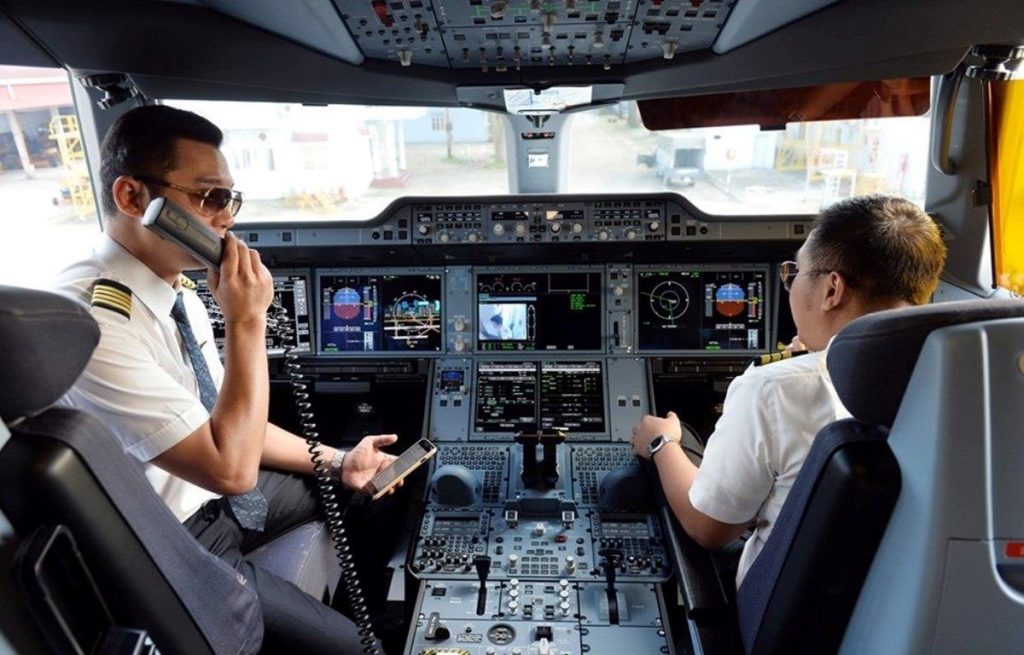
(863, 255)
(156, 379)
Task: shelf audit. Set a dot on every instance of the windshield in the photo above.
(293, 162)
(744, 170)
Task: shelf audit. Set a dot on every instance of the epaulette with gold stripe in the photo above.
(113, 296)
(188, 283)
(764, 360)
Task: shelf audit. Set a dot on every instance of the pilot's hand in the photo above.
(366, 460)
(795, 345)
(650, 427)
(243, 287)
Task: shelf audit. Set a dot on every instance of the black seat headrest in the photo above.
(872, 358)
(45, 343)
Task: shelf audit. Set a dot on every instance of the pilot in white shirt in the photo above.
(139, 382)
(769, 420)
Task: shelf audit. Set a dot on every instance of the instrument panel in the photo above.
(539, 331)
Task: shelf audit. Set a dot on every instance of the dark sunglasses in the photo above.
(207, 201)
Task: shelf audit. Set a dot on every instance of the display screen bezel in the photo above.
(768, 312)
(539, 270)
(320, 273)
(538, 361)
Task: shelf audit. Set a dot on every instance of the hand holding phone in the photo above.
(406, 463)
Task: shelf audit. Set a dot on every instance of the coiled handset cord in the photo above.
(324, 483)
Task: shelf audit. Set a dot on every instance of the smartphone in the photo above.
(175, 224)
(407, 462)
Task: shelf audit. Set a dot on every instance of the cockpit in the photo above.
(509, 233)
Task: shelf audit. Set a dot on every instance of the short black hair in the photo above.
(142, 142)
(886, 247)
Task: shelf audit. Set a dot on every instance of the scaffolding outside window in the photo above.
(1007, 164)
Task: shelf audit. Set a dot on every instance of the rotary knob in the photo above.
(577, 228)
(653, 226)
(473, 237)
(460, 345)
(556, 228)
(423, 229)
(459, 324)
(520, 229)
(444, 237)
(499, 229)
(631, 235)
(618, 290)
(603, 235)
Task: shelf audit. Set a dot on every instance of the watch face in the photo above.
(655, 444)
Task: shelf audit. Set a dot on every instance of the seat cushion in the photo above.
(303, 556)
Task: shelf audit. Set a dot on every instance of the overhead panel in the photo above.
(497, 36)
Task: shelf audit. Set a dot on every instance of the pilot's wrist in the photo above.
(337, 464)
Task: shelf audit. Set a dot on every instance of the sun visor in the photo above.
(775, 108)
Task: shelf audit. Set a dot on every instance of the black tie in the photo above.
(250, 508)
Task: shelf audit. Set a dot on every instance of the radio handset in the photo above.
(175, 224)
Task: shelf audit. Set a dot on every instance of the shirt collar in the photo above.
(146, 285)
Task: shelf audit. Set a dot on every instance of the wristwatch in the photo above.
(657, 443)
(337, 461)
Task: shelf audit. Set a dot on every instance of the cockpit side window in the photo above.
(47, 211)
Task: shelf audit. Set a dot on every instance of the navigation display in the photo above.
(702, 309)
(371, 313)
(549, 396)
(538, 311)
(291, 292)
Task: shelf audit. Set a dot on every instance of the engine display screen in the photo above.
(291, 294)
(370, 313)
(703, 309)
(538, 311)
(549, 396)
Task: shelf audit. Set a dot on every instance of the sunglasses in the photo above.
(208, 202)
(788, 272)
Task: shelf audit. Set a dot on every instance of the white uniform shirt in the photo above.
(771, 415)
(139, 381)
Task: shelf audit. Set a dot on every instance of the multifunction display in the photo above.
(538, 311)
(702, 309)
(549, 396)
(290, 307)
(369, 313)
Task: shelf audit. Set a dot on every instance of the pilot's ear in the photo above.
(130, 196)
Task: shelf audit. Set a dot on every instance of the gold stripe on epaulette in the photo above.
(188, 283)
(113, 296)
(778, 357)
